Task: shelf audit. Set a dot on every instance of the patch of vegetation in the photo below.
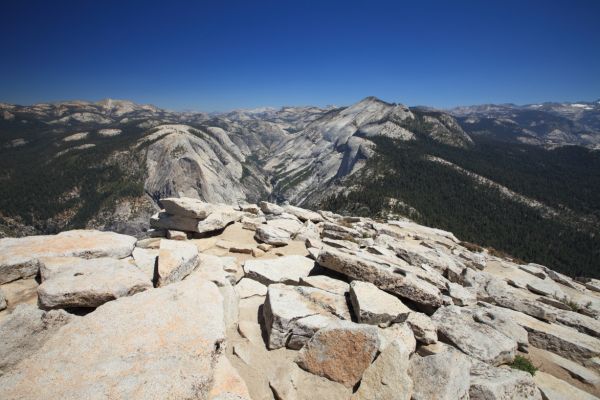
(178, 151)
(56, 193)
(293, 179)
(573, 305)
(475, 248)
(523, 364)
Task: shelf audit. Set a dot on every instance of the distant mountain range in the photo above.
(546, 124)
(523, 179)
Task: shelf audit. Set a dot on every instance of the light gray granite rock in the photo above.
(19, 258)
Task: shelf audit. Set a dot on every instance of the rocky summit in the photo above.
(265, 301)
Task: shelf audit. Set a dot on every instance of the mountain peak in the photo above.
(373, 99)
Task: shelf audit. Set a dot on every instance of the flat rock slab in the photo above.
(387, 377)
(373, 306)
(326, 283)
(562, 340)
(218, 220)
(479, 340)
(443, 376)
(574, 369)
(304, 215)
(290, 225)
(270, 208)
(25, 330)
(583, 323)
(460, 296)
(176, 260)
(556, 389)
(340, 352)
(286, 269)
(272, 235)
(294, 313)
(385, 277)
(78, 282)
(187, 207)
(249, 287)
(502, 324)
(129, 349)
(19, 258)
(503, 295)
(493, 383)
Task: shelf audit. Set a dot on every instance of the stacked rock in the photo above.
(182, 217)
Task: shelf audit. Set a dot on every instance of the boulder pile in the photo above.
(274, 301)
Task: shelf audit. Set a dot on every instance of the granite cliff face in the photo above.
(247, 301)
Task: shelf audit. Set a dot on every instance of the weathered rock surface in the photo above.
(423, 328)
(582, 323)
(385, 277)
(309, 231)
(146, 259)
(397, 332)
(164, 220)
(460, 296)
(270, 208)
(294, 313)
(457, 327)
(493, 383)
(129, 348)
(501, 294)
(593, 285)
(502, 324)
(218, 219)
(556, 389)
(303, 214)
(398, 268)
(77, 282)
(326, 283)
(387, 378)
(19, 258)
(176, 260)
(272, 235)
(293, 383)
(374, 306)
(3, 303)
(249, 287)
(287, 269)
(574, 369)
(443, 376)
(25, 330)
(534, 270)
(340, 352)
(227, 383)
(187, 207)
(558, 339)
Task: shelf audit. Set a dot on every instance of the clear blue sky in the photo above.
(218, 55)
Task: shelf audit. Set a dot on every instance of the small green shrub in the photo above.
(573, 305)
(524, 364)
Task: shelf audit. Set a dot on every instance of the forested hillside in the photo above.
(403, 180)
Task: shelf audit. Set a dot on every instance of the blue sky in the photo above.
(219, 55)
